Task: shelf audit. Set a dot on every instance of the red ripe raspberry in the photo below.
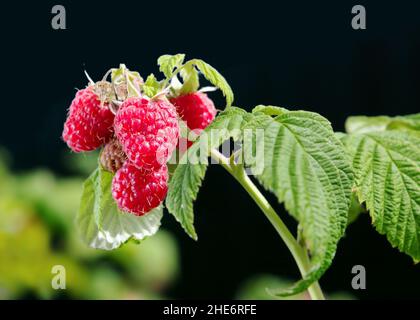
(138, 191)
(196, 109)
(88, 125)
(148, 131)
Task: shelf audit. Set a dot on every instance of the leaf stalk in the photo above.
(299, 253)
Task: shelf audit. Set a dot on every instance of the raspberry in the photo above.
(138, 191)
(89, 124)
(196, 109)
(112, 156)
(148, 131)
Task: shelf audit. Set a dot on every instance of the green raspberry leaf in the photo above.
(101, 224)
(189, 173)
(168, 63)
(306, 167)
(182, 192)
(151, 86)
(215, 78)
(387, 170)
(363, 124)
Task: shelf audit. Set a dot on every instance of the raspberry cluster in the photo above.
(138, 135)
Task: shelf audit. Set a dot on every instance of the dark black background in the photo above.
(296, 54)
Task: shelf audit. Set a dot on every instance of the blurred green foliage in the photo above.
(37, 211)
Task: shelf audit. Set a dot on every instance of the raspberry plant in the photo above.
(324, 179)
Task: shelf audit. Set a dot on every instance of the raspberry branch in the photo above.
(298, 252)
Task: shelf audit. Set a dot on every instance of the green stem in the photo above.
(298, 252)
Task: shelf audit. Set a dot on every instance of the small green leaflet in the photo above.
(387, 169)
(101, 224)
(269, 110)
(363, 124)
(214, 77)
(190, 80)
(151, 86)
(306, 167)
(168, 63)
(124, 77)
(356, 208)
(188, 175)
